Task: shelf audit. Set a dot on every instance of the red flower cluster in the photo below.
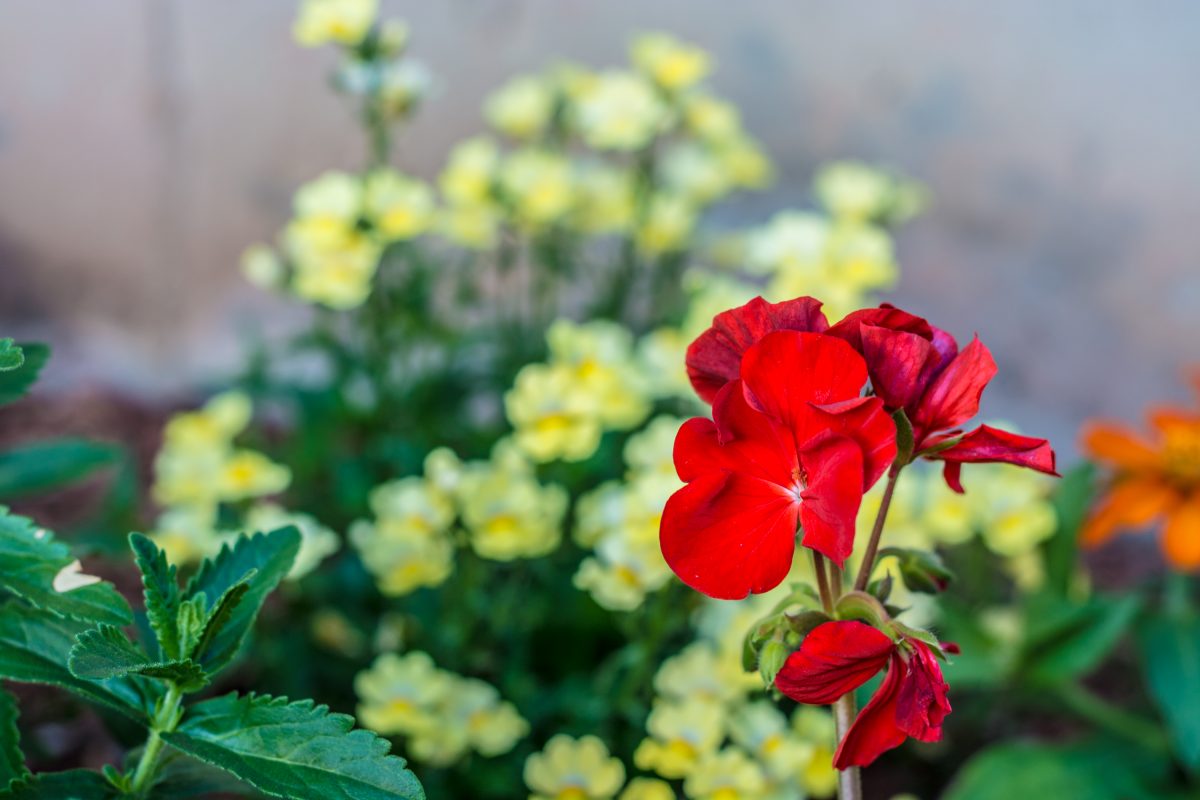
(793, 443)
(838, 657)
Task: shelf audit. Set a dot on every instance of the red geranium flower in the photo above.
(792, 443)
(838, 657)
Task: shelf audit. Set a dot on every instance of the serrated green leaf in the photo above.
(180, 776)
(12, 761)
(221, 615)
(14, 383)
(31, 558)
(35, 647)
(44, 466)
(161, 593)
(1171, 660)
(293, 749)
(270, 556)
(105, 652)
(11, 356)
(75, 784)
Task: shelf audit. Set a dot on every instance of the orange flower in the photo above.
(1155, 477)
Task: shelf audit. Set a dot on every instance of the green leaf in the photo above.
(11, 356)
(269, 556)
(75, 784)
(1072, 501)
(35, 647)
(293, 749)
(181, 776)
(105, 652)
(221, 615)
(1101, 770)
(43, 466)
(161, 593)
(12, 761)
(904, 437)
(1170, 649)
(15, 382)
(31, 558)
(1065, 640)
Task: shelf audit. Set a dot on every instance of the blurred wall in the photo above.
(144, 143)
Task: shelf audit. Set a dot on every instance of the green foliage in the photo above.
(105, 652)
(1065, 640)
(43, 466)
(1071, 502)
(31, 559)
(12, 763)
(161, 593)
(1170, 649)
(11, 355)
(15, 381)
(75, 784)
(293, 749)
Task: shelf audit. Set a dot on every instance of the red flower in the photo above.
(791, 443)
(838, 657)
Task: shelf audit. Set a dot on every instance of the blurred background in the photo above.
(145, 143)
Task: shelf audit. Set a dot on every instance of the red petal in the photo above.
(835, 658)
(787, 371)
(922, 702)
(953, 396)
(832, 498)
(896, 361)
(986, 444)
(715, 357)
(739, 440)
(875, 731)
(728, 535)
(861, 419)
(886, 316)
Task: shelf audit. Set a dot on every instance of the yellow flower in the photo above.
(573, 769)
(249, 473)
(604, 199)
(710, 118)
(262, 266)
(815, 726)
(521, 108)
(316, 541)
(598, 512)
(470, 172)
(331, 196)
(598, 354)
(619, 111)
(698, 673)
(402, 562)
(552, 413)
(538, 185)
(411, 507)
(443, 470)
(470, 716)
(223, 417)
(694, 172)
(661, 357)
(622, 572)
(473, 225)
(398, 694)
(508, 514)
(745, 162)
(727, 775)
(670, 63)
(681, 734)
(188, 533)
(334, 263)
(857, 191)
(667, 225)
(400, 207)
(344, 22)
(762, 730)
(651, 449)
(647, 789)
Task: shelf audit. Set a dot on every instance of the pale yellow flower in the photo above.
(187, 533)
(604, 199)
(672, 64)
(398, 694)
(573, 769)
(622, 572)
(710, 118)
(599, 355)
(522, 107)
(538, 185)
(647, 789)
(762, 730)
(317, 542)
(412, 507)
(400, 207)
(651, 449)
(475, 226)
(695, 172)
(262, 266)
(598, 512)
(470, 172)
(727, 775)
(619, 111)
(553, 414)
(331, 196)
(248, 473)
(661, 358)
(402, 563)
(334, 264)
(699, 673)
(681, 734)
(471, 715)
(344, 22)
(815, 726)
(858, 191)
(508, 514)
(667, 225)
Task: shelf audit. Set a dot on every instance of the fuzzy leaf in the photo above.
(14, 383)
(105, 652)
(11, 356)
(161, 593)
(75, 784)
(270, 556)
(12, 761)
(42, 466)
(35, 647)
(221, 614)
(293, 749)
(31, 558)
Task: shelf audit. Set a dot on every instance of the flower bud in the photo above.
(921, 571)
(771, 659)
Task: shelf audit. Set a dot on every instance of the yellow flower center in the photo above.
(571, 793)
(725, 793)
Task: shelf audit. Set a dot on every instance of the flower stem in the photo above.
(166, 717)
(827, 598)
(868, 562)
(849, 779)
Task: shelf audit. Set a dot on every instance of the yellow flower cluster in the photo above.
(1008, 508)
(343, 22)
(336, 238)
(559, 409)
(620, 521)
(497, 507)
(199, 468)
(444, 716)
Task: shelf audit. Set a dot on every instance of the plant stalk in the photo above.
(868, 562)
(850, 779)
(164, 721)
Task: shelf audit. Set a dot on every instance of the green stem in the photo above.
(868, 562)
(827, 598)
(166, 717)
(849, 779)
(1117, 721)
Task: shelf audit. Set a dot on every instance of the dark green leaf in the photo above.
(12, 762)
(35, 647)
(181, 776)
(1171, 660)
(269, 556)
(105, 652)
(31, 558)
(293, 749)
(75, 784)
(49, 465)
(161, 592)
(1072, 500)
(221, 614)
(11, 356)
(1065, 640)
(15, 382)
